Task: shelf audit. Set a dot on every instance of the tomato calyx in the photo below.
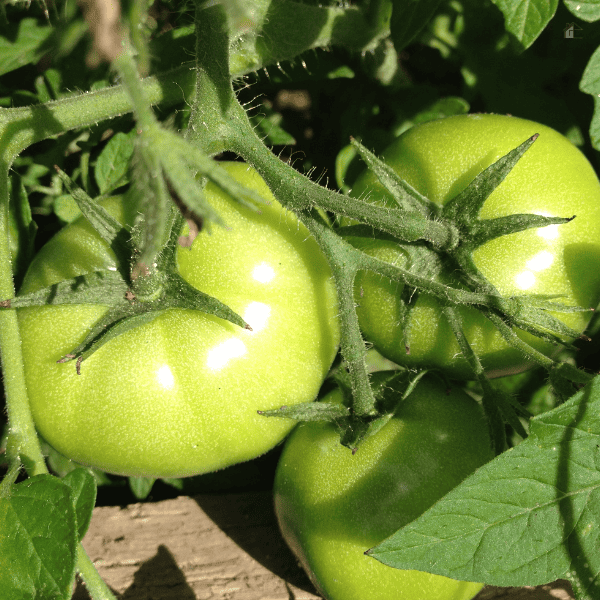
(447, 272)
(134, 296)
(462, 212)
(390, 389)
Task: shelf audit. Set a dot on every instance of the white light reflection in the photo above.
(542, 260)
(165, 377)
(220, 355)
(263, 273)
(525, 280)
(256, 315)
(548, 233)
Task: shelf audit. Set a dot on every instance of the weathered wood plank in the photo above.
(213, 547)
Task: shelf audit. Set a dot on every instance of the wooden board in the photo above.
(214, 547)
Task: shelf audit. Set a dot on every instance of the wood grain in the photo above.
(214, 547)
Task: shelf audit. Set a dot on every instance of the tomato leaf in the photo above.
(83, 494)
(141, 486)
(112, 165)
(26, 47)
(586, 11)
(530, 516)
(590, 84)
(526, 19)
(22, 229)
(38, 539)
(408, 18)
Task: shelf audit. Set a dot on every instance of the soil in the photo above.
(214, 547)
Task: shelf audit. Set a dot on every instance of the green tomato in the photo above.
(440, 158)
(179, 396)
(332, 505)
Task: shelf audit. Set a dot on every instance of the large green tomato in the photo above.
(179, 396)
(332, 505)
(553, 178)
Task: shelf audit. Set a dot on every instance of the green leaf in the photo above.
(65, 208)
(409, 18)
(38, 540)
(590, 84)
(112, 166)
(526, 19)
(141, 486)
(268, 126)
(24, 48)
(586, 10)
(83, 494)
(530, 516)
(21, 229)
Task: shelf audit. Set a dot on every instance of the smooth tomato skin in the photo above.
(179, 396)
(332, 505)
(439, 159)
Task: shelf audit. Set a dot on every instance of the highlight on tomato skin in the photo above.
(179, 396)
(333, 505)
(553, 178)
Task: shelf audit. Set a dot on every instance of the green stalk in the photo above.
(214, 97)
(344, 267)
(96, 587)
(142, 106)
(21, 127)
(23, 441)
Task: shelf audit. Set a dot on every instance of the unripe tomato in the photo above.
(179, 396)
(553, 178)
(333, 505)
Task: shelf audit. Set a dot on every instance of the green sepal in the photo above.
(562, 387)
(495, 424)
(535, 318)
(128, 314)
(570, 372)
(407, 301)
(215, 173)
(509, 408)
(108, 228)
(482, 232)
(404, 194)
(494, 417)
(464, 209)
(152, 200)
(310, 412)
(118, 320)
(128, 311)
(355, 430)
(180, 294)
(98, 287)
